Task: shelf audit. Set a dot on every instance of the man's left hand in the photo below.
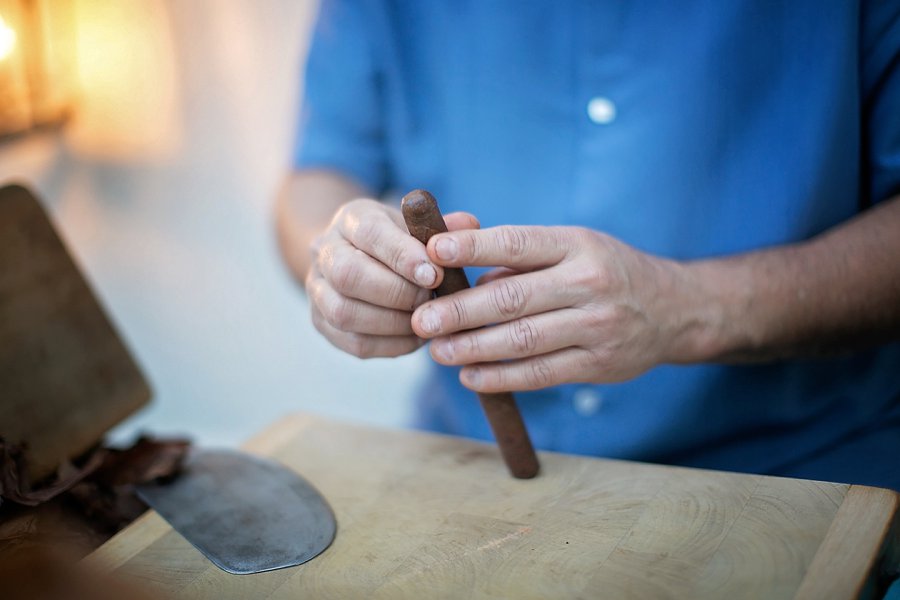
(565, 304)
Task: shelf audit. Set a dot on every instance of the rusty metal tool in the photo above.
(423, 219)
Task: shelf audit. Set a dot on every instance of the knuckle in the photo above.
(353, 209)
(582, 234)
(367, 232)
(620, 313)
(345, 274)
(590, 280)
(317, 321)
(509, 297)
(463, 348)
(324, 256)
(346, 219)
(524, 336)
(397, 260)
(316, 245)
(316, 293)
(311, 284)
(458, 312)
(397, 294)
(539, 374)
(601, 317)
(341, 214)
(584, 237)
(469, 246)
(597, 358)
(373, 235)
(340, 314)
(470, 346)
(601, 279)
(514, 241)
(359, 346)
(592, 317)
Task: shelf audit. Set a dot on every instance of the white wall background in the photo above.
(162, 186)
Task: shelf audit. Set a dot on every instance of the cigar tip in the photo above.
(526, 473)
(418, 202)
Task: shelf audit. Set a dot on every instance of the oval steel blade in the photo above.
(244, 513)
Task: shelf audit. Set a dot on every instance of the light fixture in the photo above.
(37, 46)
(7, 39)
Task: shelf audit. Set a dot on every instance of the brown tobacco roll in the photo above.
(423, 219)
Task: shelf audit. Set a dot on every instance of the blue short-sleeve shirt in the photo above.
(688, 130)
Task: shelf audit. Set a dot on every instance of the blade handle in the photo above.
(423, 219)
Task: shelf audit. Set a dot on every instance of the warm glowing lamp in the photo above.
(7, 39)
(109, 64)
(36, 57)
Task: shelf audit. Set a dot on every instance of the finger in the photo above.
(534, 373)
(520, 247)
(495, 274)
(364, 345)
(376, 234)
(456, 221)
(528, 336)
(499, 301)
(348, 314)
(353, 273)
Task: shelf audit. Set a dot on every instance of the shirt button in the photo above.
(586, 401)
(601, 110)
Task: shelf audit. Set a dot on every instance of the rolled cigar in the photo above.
(423, 219)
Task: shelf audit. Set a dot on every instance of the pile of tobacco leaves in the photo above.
(46, 526)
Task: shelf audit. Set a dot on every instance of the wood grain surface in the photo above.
(428, 516)
(65, 375)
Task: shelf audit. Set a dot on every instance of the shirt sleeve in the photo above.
(880, 79)
(341, 125)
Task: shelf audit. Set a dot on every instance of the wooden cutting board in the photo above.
(428, 516)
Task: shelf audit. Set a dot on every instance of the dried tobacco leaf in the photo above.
(107, 497)
(14, 483)
(147, 460)
(91, 500)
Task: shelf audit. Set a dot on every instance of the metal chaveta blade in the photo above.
(244, 513)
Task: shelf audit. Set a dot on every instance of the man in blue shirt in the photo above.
(688, 210)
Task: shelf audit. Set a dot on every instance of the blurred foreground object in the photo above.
(65, 378)
(42, 572)
(66, 375)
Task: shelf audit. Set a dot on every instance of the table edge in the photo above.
(866, 514)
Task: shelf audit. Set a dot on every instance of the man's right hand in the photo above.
(367, 277)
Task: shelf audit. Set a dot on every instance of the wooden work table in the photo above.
(427, 516)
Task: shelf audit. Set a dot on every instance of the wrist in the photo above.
(707, 309)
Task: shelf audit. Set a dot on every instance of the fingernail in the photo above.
(443, 349)
(446, 248)
(472, 376)
(425, 275)
(430, 321)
